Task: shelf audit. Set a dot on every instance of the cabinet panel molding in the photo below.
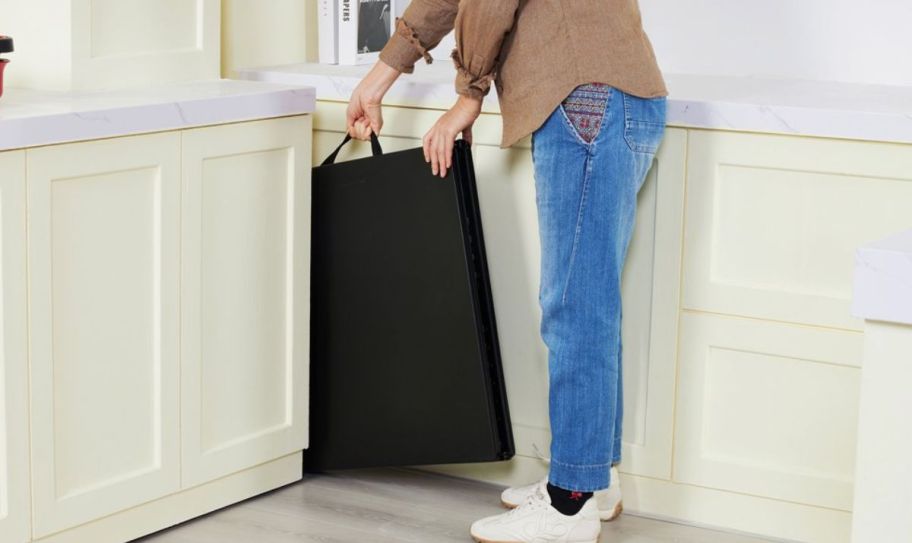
(14, 463)
(78, 45)
(104, 270)
(768, 409)
(245, 295)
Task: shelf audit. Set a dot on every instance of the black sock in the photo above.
(568, 502)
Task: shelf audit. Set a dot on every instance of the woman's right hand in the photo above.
(364, 113)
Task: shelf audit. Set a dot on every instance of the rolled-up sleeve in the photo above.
(481, 28)
(421, 27)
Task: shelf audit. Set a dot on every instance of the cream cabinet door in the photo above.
(245, 298)
(768, 409)
(117, 43)
(14, 463)
(103, 312)
(773, 222)
(651, 280)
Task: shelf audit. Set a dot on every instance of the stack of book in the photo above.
(354, 31)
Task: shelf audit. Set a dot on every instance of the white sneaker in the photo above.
(608, 500)
(536, 521)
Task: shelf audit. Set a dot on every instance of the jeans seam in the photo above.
(579, 227)
(590, 150)
(569, 124)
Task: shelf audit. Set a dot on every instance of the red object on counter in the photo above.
(6, 46)
(3, 63)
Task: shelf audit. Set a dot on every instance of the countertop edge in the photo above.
(774, 106)
(74, 125)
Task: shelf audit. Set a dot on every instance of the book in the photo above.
(347, 31)
(327, 27)
(364, 28)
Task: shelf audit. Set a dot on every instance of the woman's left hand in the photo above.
(439, 141)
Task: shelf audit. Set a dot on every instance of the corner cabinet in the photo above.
(14, 463)
(168, 282)
(245, 301)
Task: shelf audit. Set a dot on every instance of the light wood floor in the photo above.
(391, 506)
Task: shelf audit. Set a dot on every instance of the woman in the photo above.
(581, 77)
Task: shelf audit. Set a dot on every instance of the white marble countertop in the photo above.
(30, 118)
(784, 106)
(883, 279)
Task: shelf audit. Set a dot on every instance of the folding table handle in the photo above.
(375, 147)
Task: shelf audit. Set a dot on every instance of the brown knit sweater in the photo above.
(534, 51)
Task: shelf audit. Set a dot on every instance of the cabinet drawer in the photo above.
(768, 409)
(772, 222)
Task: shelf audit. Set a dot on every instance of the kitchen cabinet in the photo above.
(104, 326)
(169, 302)
(770, 358)
(14, 461)
(113, 423)
(78, 45)
(245, 295)
(881, 296)
(651, 282)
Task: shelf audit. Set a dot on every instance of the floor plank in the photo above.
(391, 506)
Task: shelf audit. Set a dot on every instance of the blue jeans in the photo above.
(586, 194)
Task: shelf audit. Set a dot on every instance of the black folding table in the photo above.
(405, 362)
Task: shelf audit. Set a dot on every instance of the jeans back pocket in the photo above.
(644, 122)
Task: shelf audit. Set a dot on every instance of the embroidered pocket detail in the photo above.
(585, 108)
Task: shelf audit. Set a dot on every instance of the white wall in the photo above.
(833, 40)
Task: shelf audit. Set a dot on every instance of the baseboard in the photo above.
(188, 504)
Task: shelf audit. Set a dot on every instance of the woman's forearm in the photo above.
(379, 80)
